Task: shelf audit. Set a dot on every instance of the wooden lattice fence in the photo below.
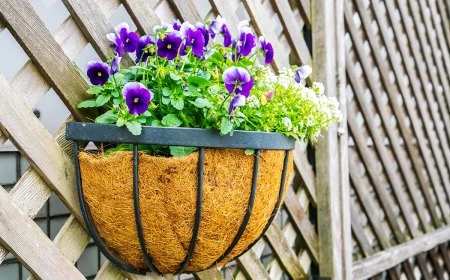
(388, 63)
(293, 240)
(398, 119)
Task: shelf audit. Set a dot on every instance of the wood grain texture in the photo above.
(302, 224)
(142, 14)
(331, 182)
(283, 252)
(185, 10)
(391, 257)
(293, 30)
(37, 145)
(252, 267)
(22, 236)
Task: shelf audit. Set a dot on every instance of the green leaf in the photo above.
(156, 123)
(134, 127)
(121, 122)
(103, 99)
(226, 126)
(108, 117)
(202, 103)
(115, 93)
(94, 90)
(249, 152)
(177, 104)
(87, 104)
(179, 151)
(197, 81)
(174, 76)
(166, 92)
(142, 119)
(171, 120)
(165, 100)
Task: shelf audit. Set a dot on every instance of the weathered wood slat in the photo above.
(386, 259)
(185, 10)
(212, 274)
(284, 253)
(36, 144)
(259, 22)
(293, 30)
(331, 178)
(46, 53)
(305, 10)
(306, 172)
(142, 14)
(302, 224)
(22, 236)
(223, 8)
(252, 267)
(92, 22)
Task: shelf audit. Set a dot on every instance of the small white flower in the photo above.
(318, 88)
(287, 123)
(253, 101)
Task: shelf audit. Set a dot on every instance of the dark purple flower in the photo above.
(196, 41)
(237, 101)
(237, 80)
(200, 26)
(246, 43)
(170, 46)
(98, 72)
(116, 42)
(227, 39)
(115, 64)
(129, 38)
(267, 50)
(216, 26)
(137, 97)
(302, 73)
(145, 48)
(176, 24)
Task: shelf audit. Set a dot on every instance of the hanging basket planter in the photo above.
(179, 214)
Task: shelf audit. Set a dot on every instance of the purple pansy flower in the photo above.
(137, 97)
(98, 72)
(144, 50)
(196, 41)
(129, 38)
(115, 64)
(216, 26)
(169, 46)
(302, 73)
(267, 50)
(200, 26)
(246, 41)
(237, 80)
(237, 101)
(116, 42)
(227, 39)
(176, 24)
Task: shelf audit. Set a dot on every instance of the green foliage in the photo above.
(189, 92)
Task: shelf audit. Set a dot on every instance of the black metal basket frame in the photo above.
(191, 137)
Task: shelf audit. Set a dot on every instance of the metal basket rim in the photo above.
(179, 136)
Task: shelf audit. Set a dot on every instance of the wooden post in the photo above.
(333, 195)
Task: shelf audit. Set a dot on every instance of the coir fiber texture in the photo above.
(168, 188)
